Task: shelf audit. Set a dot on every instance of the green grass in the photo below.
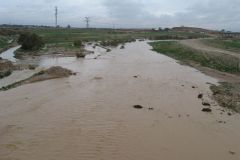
(53, 35)
(231, 45)
(64, 38)
(177, 51)
(4, 42)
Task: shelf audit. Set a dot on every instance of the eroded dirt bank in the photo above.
(91, 116)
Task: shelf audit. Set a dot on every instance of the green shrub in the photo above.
(30, 41)
(78, 43)
(5, 74)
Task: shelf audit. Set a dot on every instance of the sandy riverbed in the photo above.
(90, 116)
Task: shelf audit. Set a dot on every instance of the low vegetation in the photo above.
(7, 42)
(6, 68)
(176, 37)
(177, 51)
(30, 41)
(227, 95)
(5, 73)
(3, 42)
(61, 35)
(78, 43)
(116, 42)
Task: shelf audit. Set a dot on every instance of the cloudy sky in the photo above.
(213, 14)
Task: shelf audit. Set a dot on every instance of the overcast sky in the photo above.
(213, 14)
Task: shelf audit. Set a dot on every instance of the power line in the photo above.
(56, 16)
(87, 20)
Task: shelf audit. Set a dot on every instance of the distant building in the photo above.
(230, 35)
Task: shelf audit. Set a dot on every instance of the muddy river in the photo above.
(9, 54)
(91, 116)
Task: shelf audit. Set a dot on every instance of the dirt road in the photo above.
(197, 44)
(91, 116)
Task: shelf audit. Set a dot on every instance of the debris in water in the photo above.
(150, 108)
(135, 76)
(80, 55)
(222, 122)
(138, 107)
(98, 78)
(32, 67)
(200, 96)
(207, 110)
(232, 153)
(229, 113)
(206, 104)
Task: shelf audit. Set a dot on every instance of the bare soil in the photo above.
(51, 73)
(197, 44)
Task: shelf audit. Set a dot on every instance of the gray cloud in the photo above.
(215, 14)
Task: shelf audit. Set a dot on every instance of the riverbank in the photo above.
(214, 64)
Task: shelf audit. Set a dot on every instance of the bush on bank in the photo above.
(30, 41)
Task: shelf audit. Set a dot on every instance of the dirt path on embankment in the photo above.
(197, 44)
(90, 116)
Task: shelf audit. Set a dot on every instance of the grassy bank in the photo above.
(231, 44)
(6, 42)
(52, 35)
(177, 51)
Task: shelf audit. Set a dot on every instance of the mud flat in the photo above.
(85, 117)
(51, 73)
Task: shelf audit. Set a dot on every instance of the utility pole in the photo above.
(87, 20)
(56, 17)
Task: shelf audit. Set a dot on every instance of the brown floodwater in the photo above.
(91, 116)
(9, 54)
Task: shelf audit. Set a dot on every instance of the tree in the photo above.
(30, 41)
(223, 30)
(166, 29)
(160, 29)
(78, 43)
